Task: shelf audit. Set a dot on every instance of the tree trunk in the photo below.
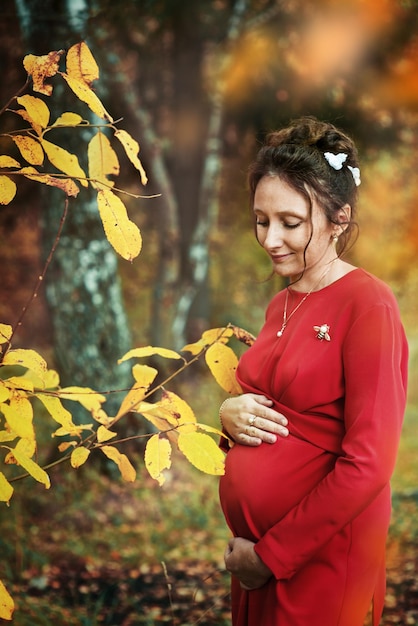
(90, 329)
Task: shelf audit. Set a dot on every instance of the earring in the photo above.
(335, 238)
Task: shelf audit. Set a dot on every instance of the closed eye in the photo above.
(292, 225)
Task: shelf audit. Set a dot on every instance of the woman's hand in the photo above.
(249, 419)
(243, 562)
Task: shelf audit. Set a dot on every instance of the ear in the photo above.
(343, 219)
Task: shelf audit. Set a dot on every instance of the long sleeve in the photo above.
(374, 357)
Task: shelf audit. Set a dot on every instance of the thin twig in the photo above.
(41, 277)
(169, 589)
(21, 90)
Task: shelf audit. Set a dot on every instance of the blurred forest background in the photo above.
(198, 83)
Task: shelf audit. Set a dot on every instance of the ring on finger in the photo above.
(251, 420)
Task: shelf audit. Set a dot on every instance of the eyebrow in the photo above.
(283, 213)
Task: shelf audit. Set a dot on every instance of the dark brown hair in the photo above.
(296, 155)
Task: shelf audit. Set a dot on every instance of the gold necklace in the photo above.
(286, 317)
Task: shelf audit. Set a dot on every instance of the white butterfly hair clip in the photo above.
(356, 174)
(337, 161)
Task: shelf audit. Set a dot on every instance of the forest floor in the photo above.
(123, 562)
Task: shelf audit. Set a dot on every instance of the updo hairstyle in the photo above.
(296, 155)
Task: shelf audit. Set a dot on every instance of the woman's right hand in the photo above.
(249, 420)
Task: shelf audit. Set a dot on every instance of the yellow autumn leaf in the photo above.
(75, 432)
(182, 413)
(22, 405)
(30, 149)
(7, 161)
(144, 374)
(37, 110)
(104, 434)
(147, 351)
(63, 447)
(159, 416)
(102, 417)
(31, 467)
(122, 234)
(89, 399)
(4, 393)
(125, 467)
(157, 457)
(85, 94)
(81, 64)
(64, 161)
(202, 452)
(6, 331)
(26, 358)
(51, 379)
(59, 413)
(79, 456)
(222, 362)
(210, 429)
(6, 435)
(208, 338)
(243, 335)
(19, 416)
(103, 161)
(144, 377)
(19, 425)
(27, 447)
(6, 491)
(131, 147)
(40, 68)
(68, 119)
(8, 189)
(67, 185)
(7, 606)
(21, 383)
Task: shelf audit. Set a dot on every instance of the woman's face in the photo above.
(284, 226)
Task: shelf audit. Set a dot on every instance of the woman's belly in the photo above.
(262, 484)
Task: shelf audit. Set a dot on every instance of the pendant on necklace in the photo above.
(279, 333)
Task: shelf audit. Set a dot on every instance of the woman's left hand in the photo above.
(242, 561)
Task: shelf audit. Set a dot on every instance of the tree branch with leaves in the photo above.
(24, 373)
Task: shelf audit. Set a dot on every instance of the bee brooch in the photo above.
(322, 332)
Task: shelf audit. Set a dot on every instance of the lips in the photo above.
(279, 258)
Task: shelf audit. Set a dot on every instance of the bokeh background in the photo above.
(198, 83)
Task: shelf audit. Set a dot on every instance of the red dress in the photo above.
(317, 503)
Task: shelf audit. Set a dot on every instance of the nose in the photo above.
(274, 237)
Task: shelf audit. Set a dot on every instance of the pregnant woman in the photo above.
(316, 431)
